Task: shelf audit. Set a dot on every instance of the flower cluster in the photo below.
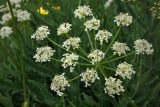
(72, 42)
(44, 54)
(41, 33)
(64, 28)
(142, 46)
(125, 70)
(103, 35)
(155, 9)
(23, 15)
(123, 19)
(83, 11)
(5, 18)
(59, 83)
(69, 60)
(92, 24)
(120, 48)
(96, 56)
(113, 86)
(89, 76)
(129, 0)
(5, 31)
(108, 3)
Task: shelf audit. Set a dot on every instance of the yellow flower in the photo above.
(56, 7)
(42, 11)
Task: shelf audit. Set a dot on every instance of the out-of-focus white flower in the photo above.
(5, 31)
(59, 83)
(125, 70)
(155, 9)
(120, 48)
(142, 46)
(23, 15)
(69, 60)
(96, 56)
(92, 24)
(14, 2)
(41, 33)
(72, 42)
(103, 35)
(108, 3)
(83, 11)
(44, 54)
(123, 19)
(5, 18)
(113, 86)
(64, 28)
(89, 76)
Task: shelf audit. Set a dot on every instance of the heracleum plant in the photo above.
(95, 59)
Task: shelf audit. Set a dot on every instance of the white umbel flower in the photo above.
(120, 48)
(89, 76)
(123, 19)
(44, 54)
(64, 28)
(92, 24)
(125, 70)
(83, 11)
(59, 83)
(69, 60)
(142, 46)
(23, 15)
(108, 3)
(5, 31)
(41, 33)
(5, 18)
(103, 35)
(113, 86)
(72, 42)
(96, 56)
(14, 2)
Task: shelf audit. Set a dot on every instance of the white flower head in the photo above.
(120, 48)
(5, 18)
(142, 46)
(89, 76)
(69, 60)
(44, 54)
(41, 33)
(123, 19)
(125, 70)
(59, 83)
(113, 86)
(5, 31)
(23, 15)
(96, 56)
(64, 28)
(108, 3)
(14, 2)
(92, 24)
(83, 11)
(103, 35)
(155, 9)
(72, 42)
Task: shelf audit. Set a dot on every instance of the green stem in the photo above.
(21, 54)
(82, 51)
(89, 39)
(118, 58)
(131, 102)
(102, 72)
(56, 59)
(74, 78)
(95, 40)
(109, 68)
(85, 64)
(113, 40)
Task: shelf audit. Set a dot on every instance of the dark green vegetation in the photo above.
(16, 60)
